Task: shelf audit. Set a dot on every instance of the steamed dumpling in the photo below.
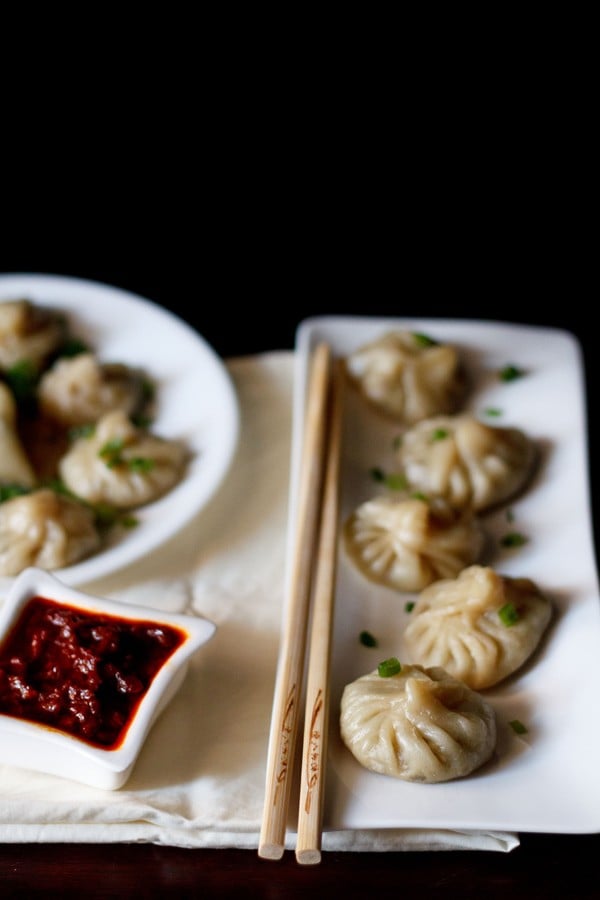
(79, 390)
(406, 544)
(28, 333)
(122, 465)
(15, 467)
(44, 529)
(408, 376)
(419, 725)
(481, 627)
(470, 464)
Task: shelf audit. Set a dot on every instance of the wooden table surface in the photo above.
(543, 866)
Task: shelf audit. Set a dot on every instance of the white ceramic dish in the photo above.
(33, 746)
(197, 402)
(547, 780)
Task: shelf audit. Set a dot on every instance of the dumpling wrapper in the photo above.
(28, 333)
(15, 467)
(456, 623)
(46, 530)
(139, 467)
(81, 389)
(407, 544)
(470, 464)
(408, 377)
(420, 725)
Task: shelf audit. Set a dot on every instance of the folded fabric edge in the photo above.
(369, 841)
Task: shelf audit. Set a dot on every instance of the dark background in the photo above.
(247, 292)
(244, 251)
(256, 189)
(244, 265)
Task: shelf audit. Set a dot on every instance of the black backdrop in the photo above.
(246, 300)
(245, 285)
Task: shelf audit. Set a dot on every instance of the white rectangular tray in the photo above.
(547, 780)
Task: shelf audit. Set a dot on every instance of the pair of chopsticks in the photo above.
(311, 576)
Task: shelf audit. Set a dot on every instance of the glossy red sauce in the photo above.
(80, 672)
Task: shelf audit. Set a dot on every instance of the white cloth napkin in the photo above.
(200, 779)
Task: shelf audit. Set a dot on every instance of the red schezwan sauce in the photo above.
(80, 672)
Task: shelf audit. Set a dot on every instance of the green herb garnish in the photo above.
(106, 515)
(513, 539)
(140, 464)
(396, 481)
(439, 434)
(111, 452)
(73, 347)
(423, 340)
(367, 639)
(518, 727)
(59, 487)
(8, 491)
(493, 411)
(81, 431)
(129, 521)
(141, 420)
(389, 667)
(510, 373)
(148, 390)
(408, 607)
(508, 614)
(22, 379)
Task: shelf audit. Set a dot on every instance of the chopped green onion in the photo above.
(140, 464)
(73, 347)
(423, 340)
(508, 614)
(493, 411)
(367, 639)
(8, 491)
(59, 487)
(129, 521)
(22, 380)
(389, 667)
(141, 420)
(513, 539)
(518, 727)
(148, 390)
(106, 515)
(419, 495)
(510, 373)
(408, 607)
(395, 481)
(111, 451)
(439, 434)
(82, 431)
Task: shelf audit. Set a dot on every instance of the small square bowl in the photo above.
(122, 678)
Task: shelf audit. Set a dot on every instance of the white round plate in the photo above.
(196, 399)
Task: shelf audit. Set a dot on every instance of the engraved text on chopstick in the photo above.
(286, 732)
(314, 756)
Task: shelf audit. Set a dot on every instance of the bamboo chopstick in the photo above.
(290, 668)
(316, 722)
